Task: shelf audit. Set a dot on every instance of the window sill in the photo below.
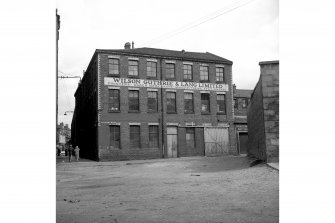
(188, 80)
(134, 77)
(114, 111)
(221, 113)
(205, 113)
(152, 111)
(204, 81)
(170, 79)
(152, 78)
(171, 112)
(220, 82)
(133, 111)
(113, 75)
(185, 112)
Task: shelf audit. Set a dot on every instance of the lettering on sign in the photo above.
(125, 82)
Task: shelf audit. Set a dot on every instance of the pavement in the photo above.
(274, 165)
(188, 189)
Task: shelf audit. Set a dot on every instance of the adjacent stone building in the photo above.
(241, 101)
(263, 114)
(144, 103)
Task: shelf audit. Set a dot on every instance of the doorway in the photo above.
(172, 142)
(243, 142)
(216, 141)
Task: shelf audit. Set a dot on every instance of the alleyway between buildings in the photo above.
(192, 189)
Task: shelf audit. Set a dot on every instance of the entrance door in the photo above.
(216, 141)
(172, 142)
(243, 142)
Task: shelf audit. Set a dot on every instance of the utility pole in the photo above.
(57, 37)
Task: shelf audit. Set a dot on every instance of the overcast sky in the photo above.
(243, 31)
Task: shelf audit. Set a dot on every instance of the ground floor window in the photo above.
(114, 139)
(153, 136)
(135, 141)
(190, 136)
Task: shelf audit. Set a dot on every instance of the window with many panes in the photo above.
(113, 67)
(135, 141)
(187, 72)
(133, 100)
(188, 103)
(205, 103)
(152, 101)
(169, 71)
(220, 74)
(171, 102)
(190, 136)
(114, 100)
(221, 104)
(114, 138)
(151, 69)
(204, 73)
(153, 136)
(133, 68)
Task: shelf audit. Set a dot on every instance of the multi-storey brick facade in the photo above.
(263, 114)
(148, 103)
(241, 101)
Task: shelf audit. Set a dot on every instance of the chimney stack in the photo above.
(127, 46)
(132, 44)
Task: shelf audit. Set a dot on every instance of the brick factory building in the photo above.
(263, 114)
(241, 101)
(145, 103)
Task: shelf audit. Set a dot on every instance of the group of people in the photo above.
(76, 152)
(69, 152)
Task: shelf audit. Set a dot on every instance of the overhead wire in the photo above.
(197, 22)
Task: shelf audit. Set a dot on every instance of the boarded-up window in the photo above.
(135, 141)
(133, 68)
(133, 100)
(205, 103)
(114, 100)
(188, 103)
(169, 70)
(190, 136)
(113, 67)
(152, 101)
(114, 139)
(221, 104)
(171, 101)
(153, 136)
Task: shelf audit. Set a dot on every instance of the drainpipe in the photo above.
(162, 111)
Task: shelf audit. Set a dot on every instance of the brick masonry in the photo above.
(98, 142)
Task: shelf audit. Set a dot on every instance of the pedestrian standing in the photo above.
(76, 151)
(70, 151)
(58, 150)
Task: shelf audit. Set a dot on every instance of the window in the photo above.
(203, 73)
(152, 101)
(135, 141)
(219, 74)
(169, 71)
(236, 103)
(190, 136)
(133, 101)
(221, 105)
(151, 69)
(114, 139)
(188, 103)
(114, 100)
(187, 72)
(133, 68)
(171, 102)
(244, 102)
(153, 136)
(113, 67)
(205, 103)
